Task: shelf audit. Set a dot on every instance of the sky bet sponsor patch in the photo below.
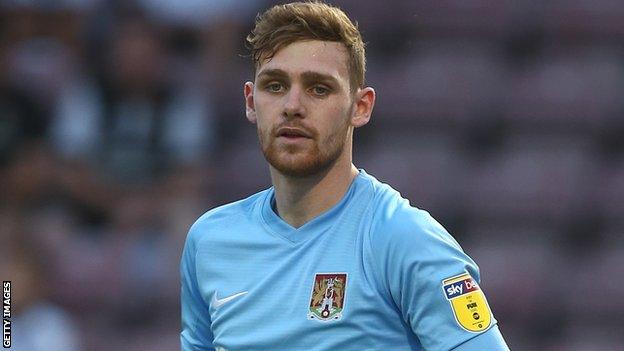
(468, 302)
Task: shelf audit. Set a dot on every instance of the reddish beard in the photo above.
(305, 160)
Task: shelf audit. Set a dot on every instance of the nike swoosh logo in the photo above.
(220, 302)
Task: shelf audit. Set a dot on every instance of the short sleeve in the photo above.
(196, 333)
(488, 340)
(433, 283)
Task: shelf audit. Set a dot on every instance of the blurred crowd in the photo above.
(123, 121)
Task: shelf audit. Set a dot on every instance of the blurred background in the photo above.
(123, 121)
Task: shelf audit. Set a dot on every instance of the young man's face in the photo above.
(303, 107)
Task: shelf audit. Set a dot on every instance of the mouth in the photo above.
(292, 133)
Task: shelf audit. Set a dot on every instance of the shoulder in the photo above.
(223, 216)
(396, 225)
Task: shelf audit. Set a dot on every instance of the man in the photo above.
(328, 258)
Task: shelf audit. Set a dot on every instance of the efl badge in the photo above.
(328, 296)
(468, 302)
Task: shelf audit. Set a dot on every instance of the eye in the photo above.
(320, 90)
(274, 87)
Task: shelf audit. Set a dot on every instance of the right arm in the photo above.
(196, 332)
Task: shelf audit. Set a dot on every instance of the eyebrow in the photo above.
(311, 76)
(308, 76)
(273, 73)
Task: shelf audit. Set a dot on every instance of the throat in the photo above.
(299, 202)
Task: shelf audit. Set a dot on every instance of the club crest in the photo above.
(328, 296)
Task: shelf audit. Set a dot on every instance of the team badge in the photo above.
(468, 302)
(328, 296)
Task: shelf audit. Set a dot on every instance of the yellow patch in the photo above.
(468, 302)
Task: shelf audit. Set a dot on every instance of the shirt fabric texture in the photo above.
(248, 278)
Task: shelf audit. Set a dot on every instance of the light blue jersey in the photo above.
(371, 273)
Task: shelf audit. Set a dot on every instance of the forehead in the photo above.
(325, 57)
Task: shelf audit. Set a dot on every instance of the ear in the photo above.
(364, 103)
(250, 109)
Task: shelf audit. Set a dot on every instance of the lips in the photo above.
(290, 132)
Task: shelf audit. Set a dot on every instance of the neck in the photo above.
(299, 200)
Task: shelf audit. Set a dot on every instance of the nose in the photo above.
(293, 105)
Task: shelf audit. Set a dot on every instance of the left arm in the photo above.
(433, 282)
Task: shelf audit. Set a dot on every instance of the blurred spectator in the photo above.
(37, 323)
(24, 121)
(132, 123)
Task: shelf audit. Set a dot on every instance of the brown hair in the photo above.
(282, 25)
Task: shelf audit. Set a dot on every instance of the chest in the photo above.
(265, 291)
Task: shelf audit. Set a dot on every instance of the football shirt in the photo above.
(370, 273)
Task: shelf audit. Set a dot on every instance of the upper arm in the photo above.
(416, 258)
(196, 330)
